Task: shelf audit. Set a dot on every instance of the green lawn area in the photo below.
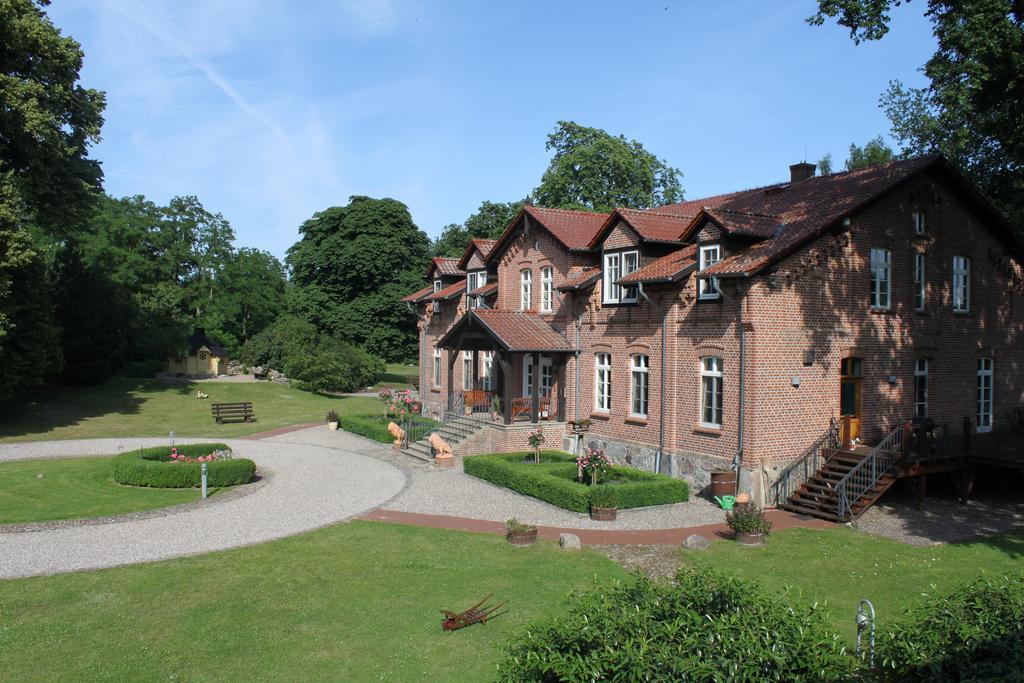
(841, 566)
(137, 407)
(357, 601)
(396, 376)
(74, 488)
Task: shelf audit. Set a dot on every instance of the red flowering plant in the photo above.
(175, 457)
(593, 462)
(536, 440)
(399, 403)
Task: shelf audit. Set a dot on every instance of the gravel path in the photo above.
(309, 487)
(942, 519)
(456, 494)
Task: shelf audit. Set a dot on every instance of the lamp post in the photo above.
(204, 483)
(865, 620)
(172, 439)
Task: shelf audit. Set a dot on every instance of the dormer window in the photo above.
(474, 281)
(710, 254)
(918, 222)
(437, 286)
(617, 265)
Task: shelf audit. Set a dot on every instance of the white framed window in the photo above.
(612, 268)
(488, 371)
(921, 387)
(711, 392)
(529, 373)
(710, 254)
(985, 373)
(437, 286)
(437, 367)
(474, 281)
(525, 289)
(603, 382)
(630, 263)
(919, 223)
(547, 279)
(881, 279)
(638, 366)
(468, 371)
(919, 282)
(961, 284)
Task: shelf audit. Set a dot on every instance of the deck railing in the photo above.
(805, 467)
(865, 474)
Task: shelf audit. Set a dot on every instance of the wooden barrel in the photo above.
(723, 483)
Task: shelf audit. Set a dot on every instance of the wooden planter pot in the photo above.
(749, 538)
(603, 514)
(521, 537)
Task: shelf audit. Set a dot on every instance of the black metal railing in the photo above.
(417, 427)
(807, 465)
(865, 474)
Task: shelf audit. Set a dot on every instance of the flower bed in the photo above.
(376, 426)
(160, 467)
(554, 480)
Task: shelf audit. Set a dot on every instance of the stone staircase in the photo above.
(817, 497)
(453, 431)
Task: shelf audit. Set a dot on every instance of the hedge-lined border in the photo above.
(514, 471)
(152, 467)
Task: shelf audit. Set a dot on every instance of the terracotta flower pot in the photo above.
(521, 537)
(750, 538)
(603, 514)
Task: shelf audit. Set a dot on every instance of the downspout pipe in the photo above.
(661, 399)
(743, 367)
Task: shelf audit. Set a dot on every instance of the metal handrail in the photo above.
(808, 464)
(868, 471)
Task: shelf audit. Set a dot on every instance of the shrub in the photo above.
(152, 467)
(554, 480)
(144, 368)
(975, 633)
(748, 518)
(705, 627)
(371, 426)
(514, 526)
(604, 497)
(332, 416)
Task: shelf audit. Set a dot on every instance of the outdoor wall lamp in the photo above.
(795, 381)
(892, 380)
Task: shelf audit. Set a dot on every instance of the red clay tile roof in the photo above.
(574, 229)
(416, 296)
(515, 330)
(481, 245)
(806, 209)
(650, 225)
(580, 278)
(444, 266)
(743, 222)
(487, 290)
(449, 292)
(670, 268)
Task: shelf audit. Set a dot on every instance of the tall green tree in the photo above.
(47, 181)
(595, 171)
(973, 108)
(250, 291)
(875, 151)
(350, 269)
(488, 222)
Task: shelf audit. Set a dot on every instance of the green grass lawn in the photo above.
(841, 566)
(396, 376)
(74, 488)
(136, 407)
(358, 601)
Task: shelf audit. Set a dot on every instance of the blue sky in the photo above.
(270, 111)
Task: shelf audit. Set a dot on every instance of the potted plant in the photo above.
(332, 421)
(518, 533)
(604, 502)
(580, 427)
(536, 440)
(749, 524)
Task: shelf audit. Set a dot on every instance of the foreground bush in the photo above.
(554, 480)
(153, 467)
(707, 627)
(975, 633)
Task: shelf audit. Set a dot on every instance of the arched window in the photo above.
(546, 287)
(603, 382)
(881, 279)
(985, 373)
(711, 391)
(525, 289)
(638, 365)
(921, 387)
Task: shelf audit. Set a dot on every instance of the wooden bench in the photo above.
(232, 412)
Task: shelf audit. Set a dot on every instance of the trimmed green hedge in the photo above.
(554, 480)
(372, 426)
(152, 467)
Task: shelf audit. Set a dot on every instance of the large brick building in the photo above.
(729, 331)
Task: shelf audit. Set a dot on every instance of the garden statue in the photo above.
(443, 456)
(398, 433)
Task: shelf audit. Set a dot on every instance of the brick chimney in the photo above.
(801, 172)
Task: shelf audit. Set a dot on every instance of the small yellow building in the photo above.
(205, 357)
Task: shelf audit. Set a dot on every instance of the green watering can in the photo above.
(726, 502)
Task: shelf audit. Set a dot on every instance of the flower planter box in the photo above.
(748, 538)
(603, 514)
(521, 537)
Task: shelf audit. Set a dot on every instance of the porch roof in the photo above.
(515, 331)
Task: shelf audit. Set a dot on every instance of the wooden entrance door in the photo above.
(849, 398)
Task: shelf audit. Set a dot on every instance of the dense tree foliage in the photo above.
(595, 171)
(489, 221)
(350, 269)
(973, 108)
(874, 152)
(47, 182)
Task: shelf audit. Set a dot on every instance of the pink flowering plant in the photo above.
(176, 457)
(399, 403)
(536, 439)
(594, 463)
